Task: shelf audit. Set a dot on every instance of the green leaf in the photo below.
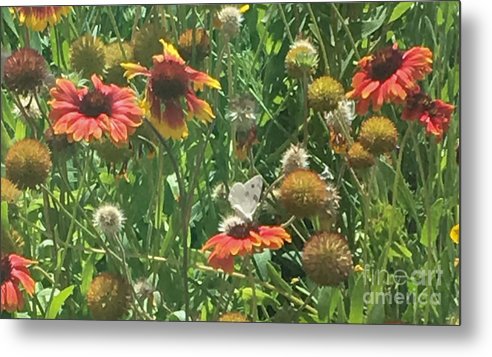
(399, 11)
(262, 298)
(262, 259)
(430, 229)
(87, 273)
(324, 298)
(369, 27)
(277, 280)
(357, 302)
(58, 301)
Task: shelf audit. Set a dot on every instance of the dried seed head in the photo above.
(295, 157)
(302, 59)
(28, 163)
(359, 157)
(87, 56)
(107, 297)
(378, 135)
(24, 71)
(327, 259)
(109, 219)
(303, 193)
(325, 93)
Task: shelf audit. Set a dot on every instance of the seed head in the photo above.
(109, 219)
(327, 259)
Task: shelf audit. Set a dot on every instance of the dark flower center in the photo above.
(169, 80)
(95, 103)
(5, 269)
(241, 231)
(166, 88)
(385, 63)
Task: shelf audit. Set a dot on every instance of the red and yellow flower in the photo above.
(169, 82)
(435, 114)
(389, 75)
(86, 114)
(14, 272)
(240, 238)
(38, 17)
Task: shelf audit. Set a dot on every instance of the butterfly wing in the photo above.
(244, 198)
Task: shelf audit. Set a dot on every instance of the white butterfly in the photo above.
(245, 198)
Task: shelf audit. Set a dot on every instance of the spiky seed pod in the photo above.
(87, 56)
(24, 71)
(112, 153)
(295, 157)
(233, 317)
(9, 191)
(359, 157)
(378, 135)
(114, 58)
(326, 259)
(325, 93)
(146, 43)
(11, 242)
(201, 41)
(107, 297)
(303, 193)
(230, 19)
(302, 59)
(28, 163)
(109, 219)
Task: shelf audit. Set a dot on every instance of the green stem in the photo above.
(347, 30)
(320, 38)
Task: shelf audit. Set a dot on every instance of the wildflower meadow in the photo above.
(289, 163)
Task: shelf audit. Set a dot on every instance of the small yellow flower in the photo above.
(358, 268)
(455, 234)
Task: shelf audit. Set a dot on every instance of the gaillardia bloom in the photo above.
(38, 17)
(85, 114)
(389, 75)
(240, 237)
(435, 114)
(13, 271)
(169, 82)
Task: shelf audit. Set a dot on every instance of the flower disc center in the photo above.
(241, 231)
(168, 88)
(95, 103)
(5, 269)
(385, 63)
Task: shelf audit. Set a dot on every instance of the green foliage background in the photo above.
(400, 222)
